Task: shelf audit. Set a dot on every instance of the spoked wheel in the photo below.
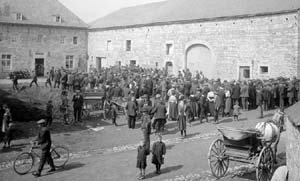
(85, 113)
(217, 160)
(60, 156)
(69, 118)
(265, 164)
(23, 163)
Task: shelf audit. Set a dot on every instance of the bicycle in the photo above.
(67, 114)
(25, 161)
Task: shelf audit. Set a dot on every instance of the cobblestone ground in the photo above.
(110, 154)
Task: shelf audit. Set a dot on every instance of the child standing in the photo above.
(236, 110)
(114, 114)
(158, 153)
(142, 159)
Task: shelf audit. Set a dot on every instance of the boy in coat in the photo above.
(158, 153)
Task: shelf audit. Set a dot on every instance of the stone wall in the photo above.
(255, 41)
(26, 43)
(298, 43)
(293, 150)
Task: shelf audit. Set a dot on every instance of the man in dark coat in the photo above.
(34, 79)
(159, 112)
(187, 88)
(158, 153)
(44, 140)
(131, 108)
(282, 94)
(252, 96)
(77, 105)
(236, 92)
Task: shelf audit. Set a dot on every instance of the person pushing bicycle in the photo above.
(44, 140)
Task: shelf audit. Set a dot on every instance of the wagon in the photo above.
(244, 146)
(92, 101)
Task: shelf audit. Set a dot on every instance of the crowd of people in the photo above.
(154, 97)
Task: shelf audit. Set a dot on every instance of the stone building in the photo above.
(227, 39)
(40, 34)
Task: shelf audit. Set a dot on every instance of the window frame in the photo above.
(262, 67)
(69, 61)
(169, 48)
(62, 39)
(6, 68)
(128, 45)
(75, 40)
(19, 16)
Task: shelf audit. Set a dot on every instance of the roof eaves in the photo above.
(44, 25)
(193, 20)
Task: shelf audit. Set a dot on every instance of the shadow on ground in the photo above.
(164, 171)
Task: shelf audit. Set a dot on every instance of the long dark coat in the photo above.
(158, 150)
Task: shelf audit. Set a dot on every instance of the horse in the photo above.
(269, 134)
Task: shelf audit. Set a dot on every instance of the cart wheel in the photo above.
(85, 113)
(217, 160)
(265, 165)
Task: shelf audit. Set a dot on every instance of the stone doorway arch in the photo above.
(199, 57)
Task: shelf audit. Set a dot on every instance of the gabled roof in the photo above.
(187, 10)
(38, 12)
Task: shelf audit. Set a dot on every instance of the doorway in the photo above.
(244, 73)
(198, 57)
(132, 63)
(99, 63)
(169, 68)
(39, 66)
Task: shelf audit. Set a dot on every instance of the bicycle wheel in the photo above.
(60, 156)
(23, 163)
(69, 118)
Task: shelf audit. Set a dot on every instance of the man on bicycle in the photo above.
(44, 140)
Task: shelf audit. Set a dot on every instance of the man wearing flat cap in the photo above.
(44, 140)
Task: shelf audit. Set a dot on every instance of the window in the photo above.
(75, 40)
(128, 45)
(1, 36)
(169, 48)
(70, 62)
(132, 62)
(108, 45)
(6, 62)
(39, 38)
(58, 19)
(19, 16)
(14, 38)
(62, 39)
(264, 69)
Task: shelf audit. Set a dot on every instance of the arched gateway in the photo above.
(199, 57)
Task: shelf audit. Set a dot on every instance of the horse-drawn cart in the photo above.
(243, 146)
(92, 101)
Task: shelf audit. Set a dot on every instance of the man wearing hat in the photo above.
(44, 140)
(77, 105)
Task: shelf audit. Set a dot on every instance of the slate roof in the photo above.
(171, 11)
(38, 12)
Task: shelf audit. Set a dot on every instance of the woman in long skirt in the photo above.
(227, 109)
(182, 118)
(194, 105)
(172, 107)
